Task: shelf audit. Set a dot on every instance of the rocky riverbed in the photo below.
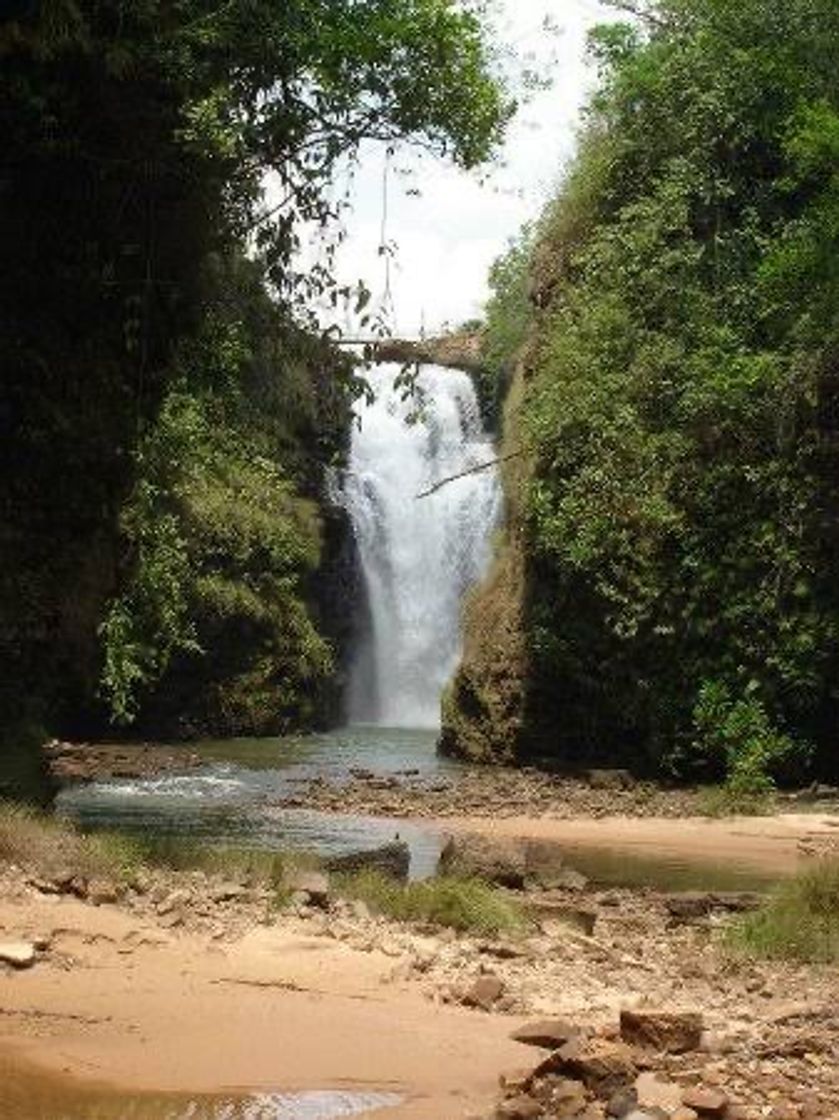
(493, 792)
(761, 1038)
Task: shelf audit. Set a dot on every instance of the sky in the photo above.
(446, 239)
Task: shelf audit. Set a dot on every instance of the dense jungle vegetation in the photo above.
(668, 592)
(168, 407)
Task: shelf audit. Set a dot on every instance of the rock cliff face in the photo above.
(483, 711)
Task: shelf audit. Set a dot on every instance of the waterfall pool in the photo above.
(230, 799)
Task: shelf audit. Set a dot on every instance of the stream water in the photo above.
(230, 800)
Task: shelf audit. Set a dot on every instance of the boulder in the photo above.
(393, 859)
(670, 1032)
(655, 1092)
(549, 1034)
(18, 954)
(706, 1102)
(101, 892)
(503, 862)
(311, 886)
(602, 1065)
(483, 993)
(622, 1102)
(519, 1108)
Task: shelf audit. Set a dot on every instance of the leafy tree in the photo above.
(137, 137)
(680, 394)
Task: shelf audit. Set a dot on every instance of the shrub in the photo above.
(740, 734)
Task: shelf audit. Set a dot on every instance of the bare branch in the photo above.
(463, 474)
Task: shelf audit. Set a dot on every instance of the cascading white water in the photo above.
(418, 555)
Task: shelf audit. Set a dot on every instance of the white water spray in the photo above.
(419, 556)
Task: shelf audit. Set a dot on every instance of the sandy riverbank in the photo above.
(774, 845)
(123, 1001)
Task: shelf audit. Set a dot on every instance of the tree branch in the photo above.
(463, 474)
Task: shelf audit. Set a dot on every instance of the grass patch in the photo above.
(461, 904)
(725, 801)
(54, 848)
(799, 921)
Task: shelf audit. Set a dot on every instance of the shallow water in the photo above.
(622, 867)
(232, 798)
(29, 1094)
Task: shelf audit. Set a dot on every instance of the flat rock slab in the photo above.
(19, 954)
(549, 1034)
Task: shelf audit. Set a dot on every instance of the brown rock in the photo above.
(603, 1066)
(313, 885)
(672, 1032)
(706, 1102)
(496, 861)
(622, 1101)
(654, 1092)
(684, 1113)
(550, 1034)
(100, 892)
(515, 1081)
(483, 992)
(519, 1108)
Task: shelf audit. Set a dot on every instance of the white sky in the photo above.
(446, 239)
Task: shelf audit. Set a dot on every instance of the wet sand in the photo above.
(773, 845)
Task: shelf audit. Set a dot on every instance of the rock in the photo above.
(563, 878)
(671, 1032)
(706, 1102)
(496, 861)
(519, 1108)
(392, 859)
(483, 992)
(515, 1081)
(100, 892)
(227, 892)
(549, 1034)
(622, 1101)
(578, 917)
(684, 1113)
(19, 954)
(311, 886)
(603, 1066)
(562, 1097)
(689, 906)
(654, 1092)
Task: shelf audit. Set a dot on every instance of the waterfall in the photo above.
(418, 556)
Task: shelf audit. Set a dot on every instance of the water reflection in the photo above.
(30, 1094)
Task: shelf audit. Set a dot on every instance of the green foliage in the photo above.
(212, 629)
(462, 904)
(739, 732)
(138, 141)
(507, 320)
(800, 920)
(680, 400)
